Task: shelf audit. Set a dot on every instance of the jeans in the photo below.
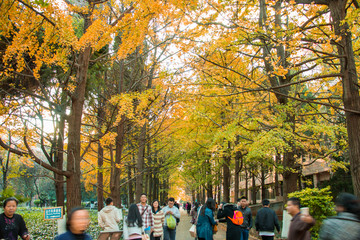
(244, 234)
(267, 237)
(169, 234)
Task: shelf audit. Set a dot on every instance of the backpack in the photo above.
(171, 222)
(238, 218)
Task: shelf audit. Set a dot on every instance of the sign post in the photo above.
(53, 213)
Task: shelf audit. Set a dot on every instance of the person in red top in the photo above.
(146, 213)
(300, 223)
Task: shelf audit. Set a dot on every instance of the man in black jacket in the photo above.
(233, 231)
(246, 212)
(266, 221)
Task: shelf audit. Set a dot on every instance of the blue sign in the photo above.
(53, 213)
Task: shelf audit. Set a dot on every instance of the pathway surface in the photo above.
(182, 231)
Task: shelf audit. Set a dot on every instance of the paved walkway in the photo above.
(182, 231)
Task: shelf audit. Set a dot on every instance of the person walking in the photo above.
(247, 215)
(146, 213)
(12, 225)
(109, 216)
(300, 223)
(159, 219)
(170, 211)
(77, 222)
(194, 212)
(233, 231)
(266, 220)
(206, 221)
(188, 208)
(346, 225)
(133, 227)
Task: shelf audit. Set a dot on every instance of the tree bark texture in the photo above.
(289, 174)
(350, 86)
(100, 160)
(73, 184)
(59, 161)
(140, 162)
(226, 178)
(115, 185)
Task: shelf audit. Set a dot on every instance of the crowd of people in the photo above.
(153, 222)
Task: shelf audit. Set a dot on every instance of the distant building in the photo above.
(314, 172)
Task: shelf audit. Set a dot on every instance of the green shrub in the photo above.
(37, 202)
(319, 202)
(9, 192)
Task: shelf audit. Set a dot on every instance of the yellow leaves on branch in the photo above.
(49, 37)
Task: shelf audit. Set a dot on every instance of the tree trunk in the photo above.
(73, 184)
(351, 96)
(289, 158)
(246, 183)
(140, 162)
(238, 168)
(277, 184)
(59, 161)
(130, 187)
(100, 177)
(263, 188)
(115, 185)
(253, 189)
(226, 179)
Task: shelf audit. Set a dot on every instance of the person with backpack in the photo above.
(233, 217)
(247, 215)
(266, 220)
(146, 213)
(346, 225)
(171, 214)
(205, 221)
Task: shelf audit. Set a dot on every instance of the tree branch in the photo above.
(122, 15)
(37, 12)
(36, 159)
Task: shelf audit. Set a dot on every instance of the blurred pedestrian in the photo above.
(266, 220)
(146, 213)
(159, 219)
(206, 221)
(77, 222)
(247, 215)
(193, 213)
(133, 227)
(109, 216)
(300, 223)
(346, 225)
(12, 225)
(188, 208)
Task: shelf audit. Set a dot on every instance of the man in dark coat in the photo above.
(300, 223)
(266, 221)
(233, 231)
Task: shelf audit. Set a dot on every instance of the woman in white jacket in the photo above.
(133, 225)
